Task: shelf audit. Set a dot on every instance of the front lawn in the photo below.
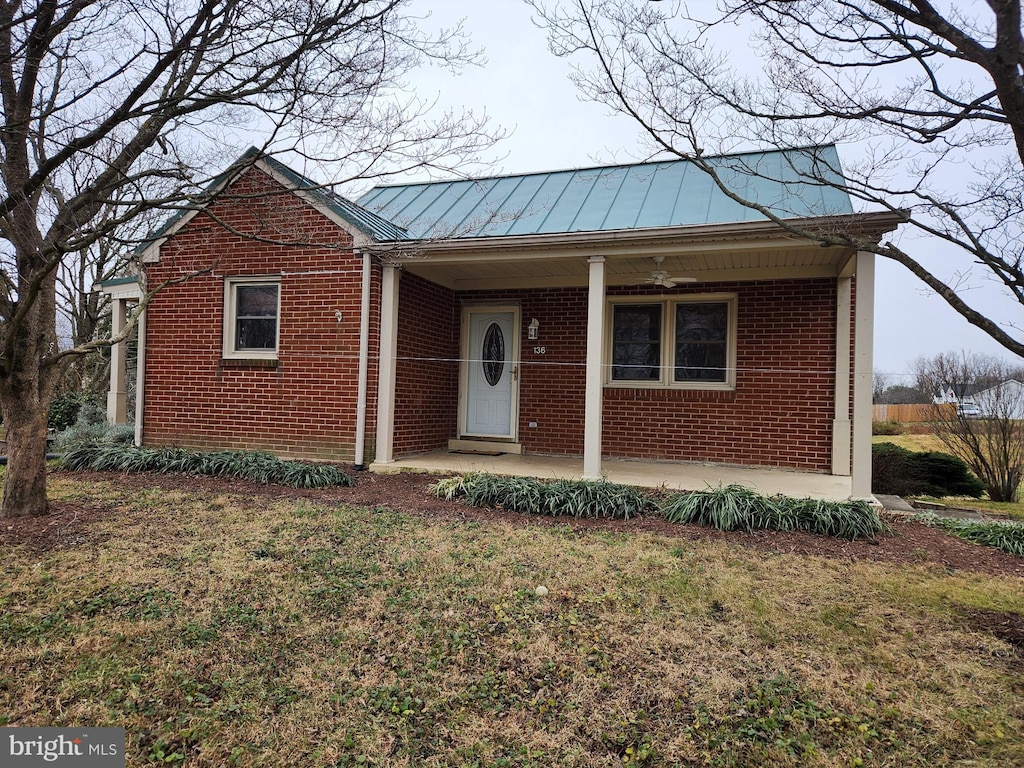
(270, 630)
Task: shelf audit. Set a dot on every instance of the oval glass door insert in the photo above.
(493, 354)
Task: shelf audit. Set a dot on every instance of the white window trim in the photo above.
(231, 284)
(668, 332)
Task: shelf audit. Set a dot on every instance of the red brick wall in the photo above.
(306, 405)
(427, 375)
(779, 415)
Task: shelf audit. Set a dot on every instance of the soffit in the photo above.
(714, 263)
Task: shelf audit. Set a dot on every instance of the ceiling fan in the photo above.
(662, 278)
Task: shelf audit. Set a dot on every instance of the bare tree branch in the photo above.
(930, 100)
(115, 110)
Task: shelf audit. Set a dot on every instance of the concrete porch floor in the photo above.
(648, 474)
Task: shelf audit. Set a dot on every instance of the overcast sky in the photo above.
(526, 90)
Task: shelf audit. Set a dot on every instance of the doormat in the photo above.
(479, 453)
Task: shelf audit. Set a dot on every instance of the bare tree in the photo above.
(880, 382)
(113, 109)
(930, 98)
(984, 425)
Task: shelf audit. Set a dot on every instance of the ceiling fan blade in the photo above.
(667, 282)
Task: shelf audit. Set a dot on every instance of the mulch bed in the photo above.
(910, 542)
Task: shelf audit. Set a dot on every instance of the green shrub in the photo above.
(248, 465)
(64, 410)
(75, 409)
(83, 433)
(578, 498)
(1007, 536)
(736, 507)
(886, 428)
(901, 472)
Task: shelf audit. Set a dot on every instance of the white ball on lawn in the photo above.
(541, 591)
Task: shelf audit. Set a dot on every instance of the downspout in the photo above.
(140, 376)
(364, 364)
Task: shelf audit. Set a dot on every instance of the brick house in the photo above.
(628, 311)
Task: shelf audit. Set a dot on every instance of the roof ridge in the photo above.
(608, 167)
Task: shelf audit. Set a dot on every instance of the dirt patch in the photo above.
(1004, 625)
(910, 542)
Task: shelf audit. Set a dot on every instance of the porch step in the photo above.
(485, 446)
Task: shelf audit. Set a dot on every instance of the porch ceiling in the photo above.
(707, 262)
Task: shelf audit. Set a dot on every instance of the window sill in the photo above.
(248, 362)
(659, 386)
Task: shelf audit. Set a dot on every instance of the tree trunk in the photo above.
(25, 489)
(27, 380)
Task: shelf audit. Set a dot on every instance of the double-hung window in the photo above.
(252, 309)
(684, 343)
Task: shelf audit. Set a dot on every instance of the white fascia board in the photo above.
(128, 291)
(697, 237)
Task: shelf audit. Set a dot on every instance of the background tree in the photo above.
(114, 109)
(990, 438)
(902, 394)
(929, 99)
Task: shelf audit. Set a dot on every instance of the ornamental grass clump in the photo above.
(576, 498)
(736, 507)
(727, 508)
(1007, 536)
(247, 465)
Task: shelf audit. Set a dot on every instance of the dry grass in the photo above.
(231, 632)
(913, 442)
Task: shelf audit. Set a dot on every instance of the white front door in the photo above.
(490, 372)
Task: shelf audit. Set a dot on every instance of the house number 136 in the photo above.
(540, 350)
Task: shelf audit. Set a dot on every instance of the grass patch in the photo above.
(1011, 509)
(248, 465)
(1007, 536)
(574, 498)
(224, 631)
(736, 507)
(912, 442)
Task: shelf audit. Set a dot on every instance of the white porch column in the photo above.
(117, 396)
(387, 366)
(841, 424)
(594, 371)
(863, 352)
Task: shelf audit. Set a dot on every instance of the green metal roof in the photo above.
(645, 195)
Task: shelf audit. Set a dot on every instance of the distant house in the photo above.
(1004, 400)
(628, 311)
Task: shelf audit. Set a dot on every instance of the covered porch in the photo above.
(604, 268)
(644, 474)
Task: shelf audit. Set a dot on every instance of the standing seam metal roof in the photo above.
(645, 195)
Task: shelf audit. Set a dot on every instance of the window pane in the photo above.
(636, 342)
(257, 334)
(257, 301)
(493, 355)
(701, 334)
(256, 317)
